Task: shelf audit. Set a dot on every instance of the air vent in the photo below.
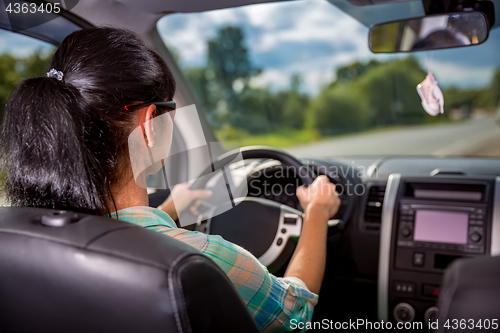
(373, 209)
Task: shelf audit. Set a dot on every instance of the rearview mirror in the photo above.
(429, 33)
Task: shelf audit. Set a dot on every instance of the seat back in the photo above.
(471, 294)
(67, 272)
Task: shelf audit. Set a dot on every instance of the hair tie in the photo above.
(55, 74)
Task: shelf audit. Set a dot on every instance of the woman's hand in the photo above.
(320, 202)
(181, 198)
(321, 195)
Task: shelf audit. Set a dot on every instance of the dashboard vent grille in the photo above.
(374, 204)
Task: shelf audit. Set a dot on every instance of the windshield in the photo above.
(21, 57)
(299, 75)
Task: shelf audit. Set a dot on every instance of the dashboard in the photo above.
(412, 218)
(406, 219)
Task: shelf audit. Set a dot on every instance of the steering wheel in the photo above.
(261, 226)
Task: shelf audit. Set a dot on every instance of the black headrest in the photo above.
(66, 272)
(471, 291)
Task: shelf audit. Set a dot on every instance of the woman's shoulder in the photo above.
(144, 216)
(159, 221)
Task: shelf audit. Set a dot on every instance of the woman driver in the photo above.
(64, 146)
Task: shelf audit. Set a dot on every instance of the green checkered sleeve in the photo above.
(275, 303)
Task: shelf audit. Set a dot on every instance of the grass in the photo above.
(280, 138)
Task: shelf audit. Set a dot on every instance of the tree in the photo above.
(13, 69)
(456, 98)
(228, 57)
(390, 90)
(338, 110)
(352, 71)
(229, 60)
(490, 97)
(295, 104)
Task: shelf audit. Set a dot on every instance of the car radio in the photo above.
(427, 223)
(457, 228)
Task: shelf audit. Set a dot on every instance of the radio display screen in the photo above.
(441, 227)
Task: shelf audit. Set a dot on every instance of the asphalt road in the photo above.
(478, 136)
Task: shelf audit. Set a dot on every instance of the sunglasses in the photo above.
(161, 107)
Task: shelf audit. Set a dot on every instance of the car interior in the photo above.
(416, 240)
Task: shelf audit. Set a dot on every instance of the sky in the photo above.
(20, 45)
(313, 38)
(310, 37)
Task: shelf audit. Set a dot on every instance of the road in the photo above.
(478, 136)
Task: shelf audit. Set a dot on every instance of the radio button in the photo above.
(418, 259)
(431, 315)
(404, 287)
(476, 222)
(475, 248)
(475, 237)
(405, 232)
(404, 312)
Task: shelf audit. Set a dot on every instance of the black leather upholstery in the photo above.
(102, 275)
(471, 290)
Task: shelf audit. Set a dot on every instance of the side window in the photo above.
(21, 57)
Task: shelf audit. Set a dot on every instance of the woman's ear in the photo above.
(149, 133)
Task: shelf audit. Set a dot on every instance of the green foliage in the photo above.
(338, 110)
(229, 57)
(294, 109)
(456, 98)
(204, 86)
(367, 95)
(293, 104)
(490, 97)
(256, 111)
(363, 96)
(354, 70)
(14, 69)
(222, 87)
(390, 90)
(278, 138)
(468, 99)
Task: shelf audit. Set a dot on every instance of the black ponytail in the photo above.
(62, 141)
(46, 150)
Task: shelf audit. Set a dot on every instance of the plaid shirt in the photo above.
(273, 302)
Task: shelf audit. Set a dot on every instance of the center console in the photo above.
(426, 224)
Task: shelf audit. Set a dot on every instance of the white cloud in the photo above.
(19, 45)
(278, 79)
(450, 74)
(189, 38)
(318, 21)
(311, 38)
(272, 25)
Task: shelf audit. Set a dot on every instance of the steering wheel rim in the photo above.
(278, 248)
(251, 152)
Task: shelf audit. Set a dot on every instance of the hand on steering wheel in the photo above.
(262, 226)
(321, 194)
